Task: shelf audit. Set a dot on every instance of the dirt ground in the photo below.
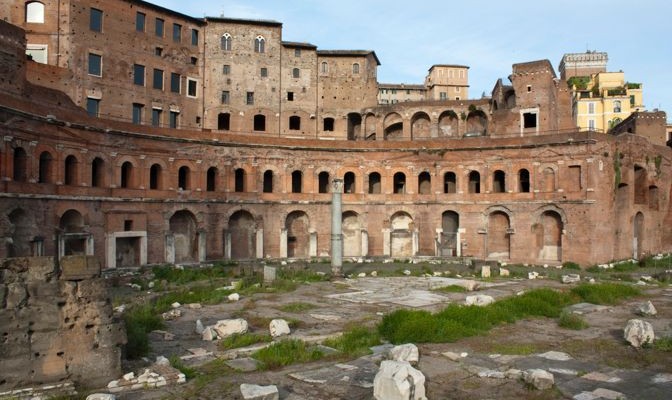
(363, 301)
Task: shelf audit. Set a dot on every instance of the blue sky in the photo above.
(488, 36)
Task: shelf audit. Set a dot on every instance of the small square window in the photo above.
(128, 225)
(158, 27)
(226, 97)
(226, 69)
(192, 87)
(249, 99)
(194, 60)
(264, 72)
(529, 120)
(95, 64)
(158, 51)
(140, 21)
(296, 73)
(290, 96)
(177, 33)
(96, 20)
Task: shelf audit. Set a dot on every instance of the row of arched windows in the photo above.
(226, 43)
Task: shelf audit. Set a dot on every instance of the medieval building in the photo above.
(140, 135)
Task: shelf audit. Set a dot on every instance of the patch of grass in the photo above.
(620, 276)
(605, 293)
(356, 341)
(297, 307)
(190, 274)
(451, 289)
(243, 340)
(286, 352)
(177, 363)
(520, 349)
(198, 294)
(139, 321)
(663, 344)
(572, 321)
(626, 266)
(571, 265)
(303, 275)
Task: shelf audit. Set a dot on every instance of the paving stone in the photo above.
(245, 364)
(662, 378)
(600, 377)
(585, 308)
(555, 355)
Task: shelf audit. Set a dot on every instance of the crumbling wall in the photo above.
(56, 324)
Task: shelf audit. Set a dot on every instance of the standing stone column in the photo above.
(336, 231)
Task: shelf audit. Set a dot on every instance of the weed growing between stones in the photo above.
(286, 352)
(572, 321)
(663, 344)
(297, 307)
(243, 340)
(456, 321)
(451, 289)
(355, 342)
(139, 321)
(177, 363)
(181, 276)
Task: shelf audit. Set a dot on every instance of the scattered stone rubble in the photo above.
(224, 328)
(158, 375)
(279, 327)
(398, 380)
(646, 309)
(256, 392)
(638, 333)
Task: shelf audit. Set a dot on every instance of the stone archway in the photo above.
(183, 230)
(499, 242)
(72, 238)
(298, 235)
(549, 236)
(401, 238)
(242, 231)
(352, 234)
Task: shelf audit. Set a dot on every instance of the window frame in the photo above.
(136, 69)
(91, 101)
(137, 113)
(191, 82)
(260, 44)
(249, 98)
(99, 57)
(96, 20)
(159, 27)
(194, 37)
(155, 80)
(34, 19)
(175, 83)
(226, 42)
(177, 33)
(140, 21)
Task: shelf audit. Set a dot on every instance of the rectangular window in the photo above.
(92, 107)
(290, 96)
(95, 64)
(194, 37)
(264, 72)
(297, 52)
(226, 97)
(177, 33)
(591, 124)
(174, 117)
(158, 51)
(96, 20)
(194, 60)
(139, 74)
(249, 99)
(140, 21)
(591, 108)
(137, 113)
(443, 96)
(529, 120)
(157, 82)
(156, 116)
(158, 27)
(296, 73)
(457, 89)
(175, 82)
(192, 87)
(226, 69)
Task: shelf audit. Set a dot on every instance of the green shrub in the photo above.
(286, 352)
(355, 342)
(605, 293)
(139, 321)
(663, 344)
(177, 363)
(451, 289)
(243, 340)
(571, 265)
(192, 274)
(572, 321)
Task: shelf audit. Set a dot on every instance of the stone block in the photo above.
(49, 368)
(17, 295)
(256, 392)
(3, 295)
(638, 332)
(41, 269)
(17, 265)
(405, 352)
(479, 300)
(397, 380)
(504, 272)
(92, 289)
(76, 268)
(228, 327)
(646, 309)
(48, 292)
(96, 367)
(101, 396)
(485, 271)
(269, 273)
(43, 317)
(539, 379)
(279, 327)
(571, 278)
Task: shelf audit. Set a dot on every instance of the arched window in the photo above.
(97, 172)
(224, 121)
(20, 165)
(70, 176)
(424, 183)
(211, 179)
(35, 12)
(449, 182)
(349, 182)
(374, 183)
(226, 42)
(323, 182)
(155, 177)
(296, 73)
(260, 122)
(524, 181)
(617, 106)
(474, 182)
(268, 181)
(355, 68)
(399, 183)
(259, 44)
(239, 184)
(324, 68)
(499, 182)
(295, 123)
(296, 181)
(46, 170)
(126, 175)
(184, 178)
